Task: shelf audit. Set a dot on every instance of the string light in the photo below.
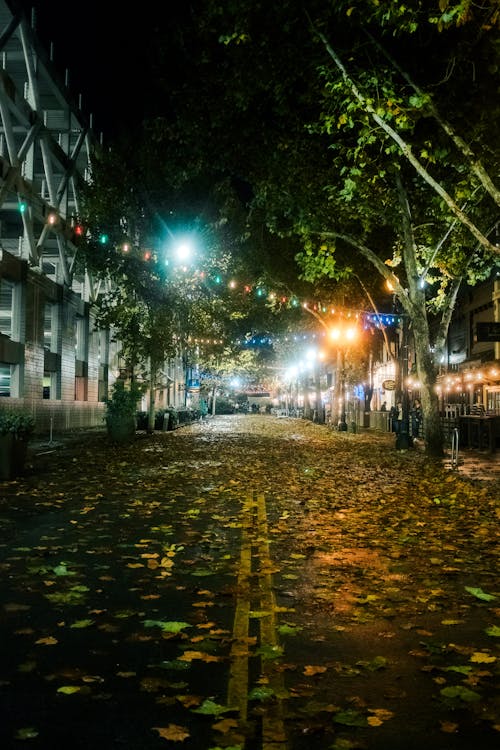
(367, 319)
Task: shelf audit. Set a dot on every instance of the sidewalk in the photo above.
(477, 465)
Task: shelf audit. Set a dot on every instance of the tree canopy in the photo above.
(329, 140)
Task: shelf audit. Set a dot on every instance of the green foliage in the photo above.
(19, 424)
(123, 400)
(170, 626)
(479, 593)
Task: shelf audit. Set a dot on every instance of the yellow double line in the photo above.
(255, 539)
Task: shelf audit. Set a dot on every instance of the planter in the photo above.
(121, 429)
(13, 453)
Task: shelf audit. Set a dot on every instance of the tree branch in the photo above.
(475, 163)
(407, 151)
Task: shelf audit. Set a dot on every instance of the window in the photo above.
(9, 380)
(50, 327)
(5, 379)
(81, 388)
(6, 307)
(80, 339)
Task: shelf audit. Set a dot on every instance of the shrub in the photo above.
(19, 424)
(123, 400)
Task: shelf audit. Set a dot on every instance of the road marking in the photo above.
(255, 548)
(238, 674)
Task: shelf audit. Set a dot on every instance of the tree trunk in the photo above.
(320, 415)
(427, 375)
(305, 394)
(151, 405)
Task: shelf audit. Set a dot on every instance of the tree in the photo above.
(157, 307)
(360, 156)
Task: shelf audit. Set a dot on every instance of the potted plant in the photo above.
(121, 411)
(16, 429)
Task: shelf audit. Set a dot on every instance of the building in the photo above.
(53, 362)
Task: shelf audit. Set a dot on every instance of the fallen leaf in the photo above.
(494, 630)
(458, 691)
(479, 657)
(350, 718)
(201, 655)
(173, 732)
(225, 725)
(26, 733)
(170, 626)
(188, 700)
(479, 594)
(382, 713)
(449, 727)
(211, 708)
(310, 670)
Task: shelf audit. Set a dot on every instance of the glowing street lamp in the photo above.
(183, 251)
(342, 337)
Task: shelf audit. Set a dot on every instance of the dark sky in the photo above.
(107, 49)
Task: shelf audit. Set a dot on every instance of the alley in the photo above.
(250, 583)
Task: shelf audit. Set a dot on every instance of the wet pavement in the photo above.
(248, 583)
(479, 465)
(474, 464)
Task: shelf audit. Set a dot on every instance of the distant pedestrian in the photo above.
(384, 406)
(397, 417)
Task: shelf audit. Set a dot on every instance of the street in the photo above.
(248, 582)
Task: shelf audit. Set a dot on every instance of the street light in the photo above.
(183, 251)
(180, 250)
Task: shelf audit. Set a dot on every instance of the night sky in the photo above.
(107, 49)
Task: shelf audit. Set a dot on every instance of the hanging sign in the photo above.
(389, 385)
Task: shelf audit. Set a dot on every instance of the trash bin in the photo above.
(353, 427)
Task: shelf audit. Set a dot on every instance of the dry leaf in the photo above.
(49, 641)
(479, 657)
(190, 655)
(449, 726)
(189, 700)
(172, 732)
(311, 670)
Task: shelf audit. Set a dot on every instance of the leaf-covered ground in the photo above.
(248, 582)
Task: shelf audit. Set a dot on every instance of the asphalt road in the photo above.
(248, 582)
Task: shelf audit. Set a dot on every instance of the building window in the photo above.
(80, 339)
(81, 388)
(5, 379)
(51, 385)
(50, 326)
(9, 380)
(7, 308)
